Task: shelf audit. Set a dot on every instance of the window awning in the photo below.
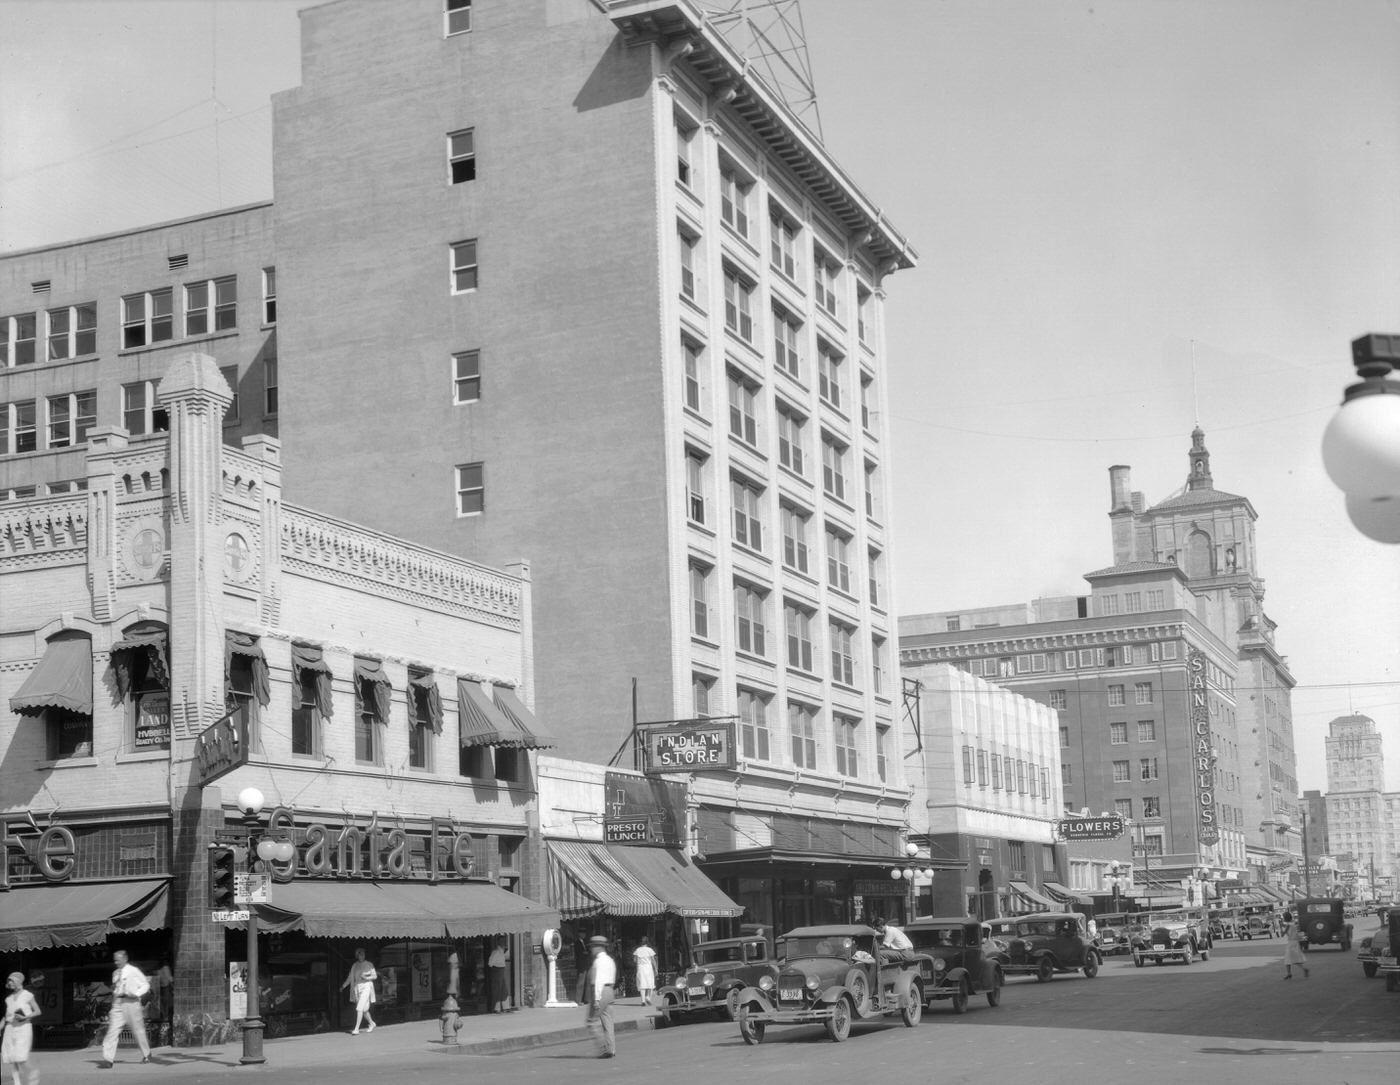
(585, 879)
(536, 737)
(48, 916)
(1065, 895)
(373, 686)
(249, 646)
(61, 679)
(308, 659)
(479, 721)
(672, 878)
(361, 909)
(155, 643)
(1032, 897)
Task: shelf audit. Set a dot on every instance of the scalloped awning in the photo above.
(62, 679)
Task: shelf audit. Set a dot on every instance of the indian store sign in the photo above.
(1203, 758)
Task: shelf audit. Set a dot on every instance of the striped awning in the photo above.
(80, 914)
(585, 879)
(61, 679)
(1065, 895)
(535, 736)
(479, 721)
(1034, 900)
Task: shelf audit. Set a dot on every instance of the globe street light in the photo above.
(1361, 445)
(1119, 874)
(918, 872)
(268, 849)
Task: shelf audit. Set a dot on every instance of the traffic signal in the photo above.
(221, 868)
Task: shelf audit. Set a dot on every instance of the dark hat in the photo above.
(599, 940)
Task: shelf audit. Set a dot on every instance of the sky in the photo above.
(1132, 217)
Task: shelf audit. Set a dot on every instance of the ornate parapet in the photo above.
(34, 534)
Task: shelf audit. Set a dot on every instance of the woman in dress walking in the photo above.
(645, 957)
(1292, 949)
(361, 983)
(20, 1009)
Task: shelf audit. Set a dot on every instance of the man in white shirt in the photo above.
(600, 986)
(894, 943)
(129, 983)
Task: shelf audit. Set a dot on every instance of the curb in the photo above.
(507, 1044)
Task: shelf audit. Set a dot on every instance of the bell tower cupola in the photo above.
(1199, 479)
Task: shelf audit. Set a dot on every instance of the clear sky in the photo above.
(1100, 192)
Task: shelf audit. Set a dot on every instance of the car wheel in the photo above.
(1138, 959)
(912, 1012)
(1045, 970)
(1091, 965)
(1205, 954)
(731, 1004)
(994, 991)
(666, 1008)
(1369, 967)
(838, 1025)
(859, 986)
(960, 997)
(1188, 956)
(749, 1029)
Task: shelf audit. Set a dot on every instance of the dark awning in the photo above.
(479, 721)
(156, 645)
(374, 687)
(249, 646)
(47, 916)
(867, 865)
(585, 879)
(62, 679)
(671, 877)
(361, 909)
(1065, 895)
(308, 659)
(1031, 896)
(421, 684)
(536, 737)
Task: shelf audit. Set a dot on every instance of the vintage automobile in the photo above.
(832, 976)
(1321, 921)
(1044, 943)
(1113, 933)
(1259, 925)
(967, 960)
(719, 971)
(1384, 944)
(1168, 937)
(1371, 950)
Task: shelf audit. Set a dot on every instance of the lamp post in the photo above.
(1361, 445)
(1205, 876)
(917, 871)
(1119, 874)
(267, 849)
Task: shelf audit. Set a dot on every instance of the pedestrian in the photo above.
(360, 981)
(1292, 948)
(894, 943)
(599, 986)
(20, 1009)
(129, 983)
(497, 964)
(645, 957)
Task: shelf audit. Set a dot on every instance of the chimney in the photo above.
(1118, 483)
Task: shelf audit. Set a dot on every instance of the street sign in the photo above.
(223, 915)
(220, 748)
(252, 888)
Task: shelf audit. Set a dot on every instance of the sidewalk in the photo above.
(484, 1034)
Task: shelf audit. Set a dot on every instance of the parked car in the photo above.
(1045, 943)
(1386, 962)
(1372, 949)
(1170, 937)
(1260, 925)
(832, 976)
(967, 960)
(1113, 933)
(1322, 922)
(719, 971)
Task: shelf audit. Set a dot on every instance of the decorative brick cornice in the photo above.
(56, 527)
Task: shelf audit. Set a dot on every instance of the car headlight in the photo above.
(709, 980)
(811, 983)
(939, 965)
(765, 983)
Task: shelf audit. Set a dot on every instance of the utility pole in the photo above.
(1307, 872)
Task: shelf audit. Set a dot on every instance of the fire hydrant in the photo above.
(451, 1020)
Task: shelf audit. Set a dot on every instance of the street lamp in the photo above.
(1361, 445)
(1205, 876)
(1119, 874)
(267, 849)
(918, 871)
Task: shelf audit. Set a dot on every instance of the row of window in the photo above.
(1131, 602)
(1118, 655)
(1147, 770)
(1005, 773)
(758, 742)
(1118, 732)
(70, 331)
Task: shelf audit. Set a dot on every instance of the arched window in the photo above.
(1200, 555)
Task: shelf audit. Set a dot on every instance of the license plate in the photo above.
(1388, 962)
(695, 990)
(790, 995)
(1159, 946)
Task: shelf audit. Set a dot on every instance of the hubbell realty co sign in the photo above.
(1201, 753)
(1087, 828)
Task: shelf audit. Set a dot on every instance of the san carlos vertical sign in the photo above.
(1203, 757)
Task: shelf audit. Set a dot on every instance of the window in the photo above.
(1021, 777)
(1016, 853)
(829, 373)
(825, 273)
(17, 339)
(1059, 700)
(790, 442)
(1120, 772)
(702, 686)
(695, 486)
(147, 318)
(802, 725)
(838, 565)
(230, 375)
(1152, 806)
(1108, 604)
(240, 692)
(699, 601)
(799, 636)
(222, 294)
(743, 420)
(72, 331)
(471, 489)
(687, 243)
(21, 432)
(269, 282)
(67, 733)
(306, 716)
(1142, 692)
(753, 725)
(786, 337)
(421, 693)
(459, 16)
(1123, 807)
(1155, 599)
(1152, 844)
(968, 777)
(864, 314)
(734, 200)
(690, 360)
(843, 659)
(833, 467)
(953, 625)
(748, 617)
(1064, 738)
(738, 305)
(1146, 731)
(996, 772)
(1115, 695)
(1132, 602)
(685, 136)
(464, 269)
(270, 387)
(1169, 650)
(845, 728)
(882, 753)
(867, 392)
(466, 376)
(981, 767)
(748, 527)
(143, 682)
(140, 414)
(461, 156)
(1117, 734)
(877, 664)
(794, 538)
(876, 563)
(783, 244)
(1147, 768)
(71, 416)
(1065, 774)
(66, 486)
(369, 746)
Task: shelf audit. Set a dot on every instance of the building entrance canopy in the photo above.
(47, 916)
(590, 878)
(1035, 899)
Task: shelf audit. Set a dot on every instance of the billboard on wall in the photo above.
(1202, 752)
(1089, 828)
(688, 746)
(643, 810)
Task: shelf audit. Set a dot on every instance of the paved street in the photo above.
(1230, 1019)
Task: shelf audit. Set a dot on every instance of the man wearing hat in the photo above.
(599, 987)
